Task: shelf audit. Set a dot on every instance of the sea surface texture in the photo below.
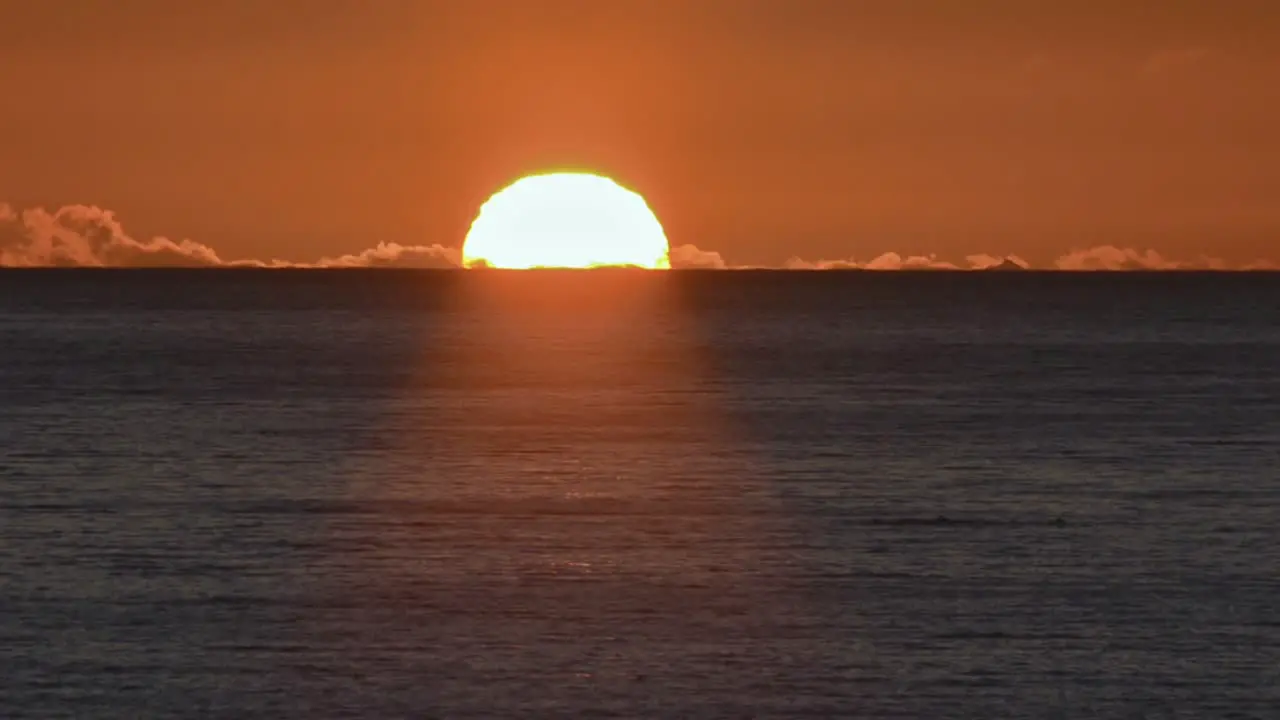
(385, 494)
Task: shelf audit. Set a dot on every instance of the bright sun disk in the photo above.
(565, 220)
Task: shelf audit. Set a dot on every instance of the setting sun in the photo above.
(565, 220)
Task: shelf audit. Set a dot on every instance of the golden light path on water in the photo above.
(578, 407)
(562, 475)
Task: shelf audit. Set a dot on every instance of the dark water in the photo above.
(685, 495)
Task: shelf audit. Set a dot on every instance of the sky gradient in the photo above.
(761, 131)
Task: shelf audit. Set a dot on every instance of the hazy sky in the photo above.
(762, 129)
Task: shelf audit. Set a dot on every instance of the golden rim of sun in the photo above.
(566, 220)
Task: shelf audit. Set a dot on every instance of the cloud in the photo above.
(983, 261)
(1110, 257)
(797, 263)
(691, 257)
(84, 235)
(894, 261)
(89, 236)
(396, 255)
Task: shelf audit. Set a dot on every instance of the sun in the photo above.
(565, 220)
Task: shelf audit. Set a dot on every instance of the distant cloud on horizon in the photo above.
(885, 261)
(395, 255)
(1110, 257)
(691, 257)
(89, 236)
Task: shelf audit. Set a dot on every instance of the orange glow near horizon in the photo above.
(565, 220)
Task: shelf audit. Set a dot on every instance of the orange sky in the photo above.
(762, 129)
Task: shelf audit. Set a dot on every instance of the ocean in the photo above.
(418, 494)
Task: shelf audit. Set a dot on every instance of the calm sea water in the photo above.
(687, 495)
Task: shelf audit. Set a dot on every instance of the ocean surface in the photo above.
(389, 494)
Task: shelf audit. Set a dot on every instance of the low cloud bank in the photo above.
(887, 261)
(691, 257)
(88, 236)
(1110, 257)
(894, 261)
(983, 261)
(1100, 258)
(396, 255)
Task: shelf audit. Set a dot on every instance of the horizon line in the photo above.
(231, 267)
